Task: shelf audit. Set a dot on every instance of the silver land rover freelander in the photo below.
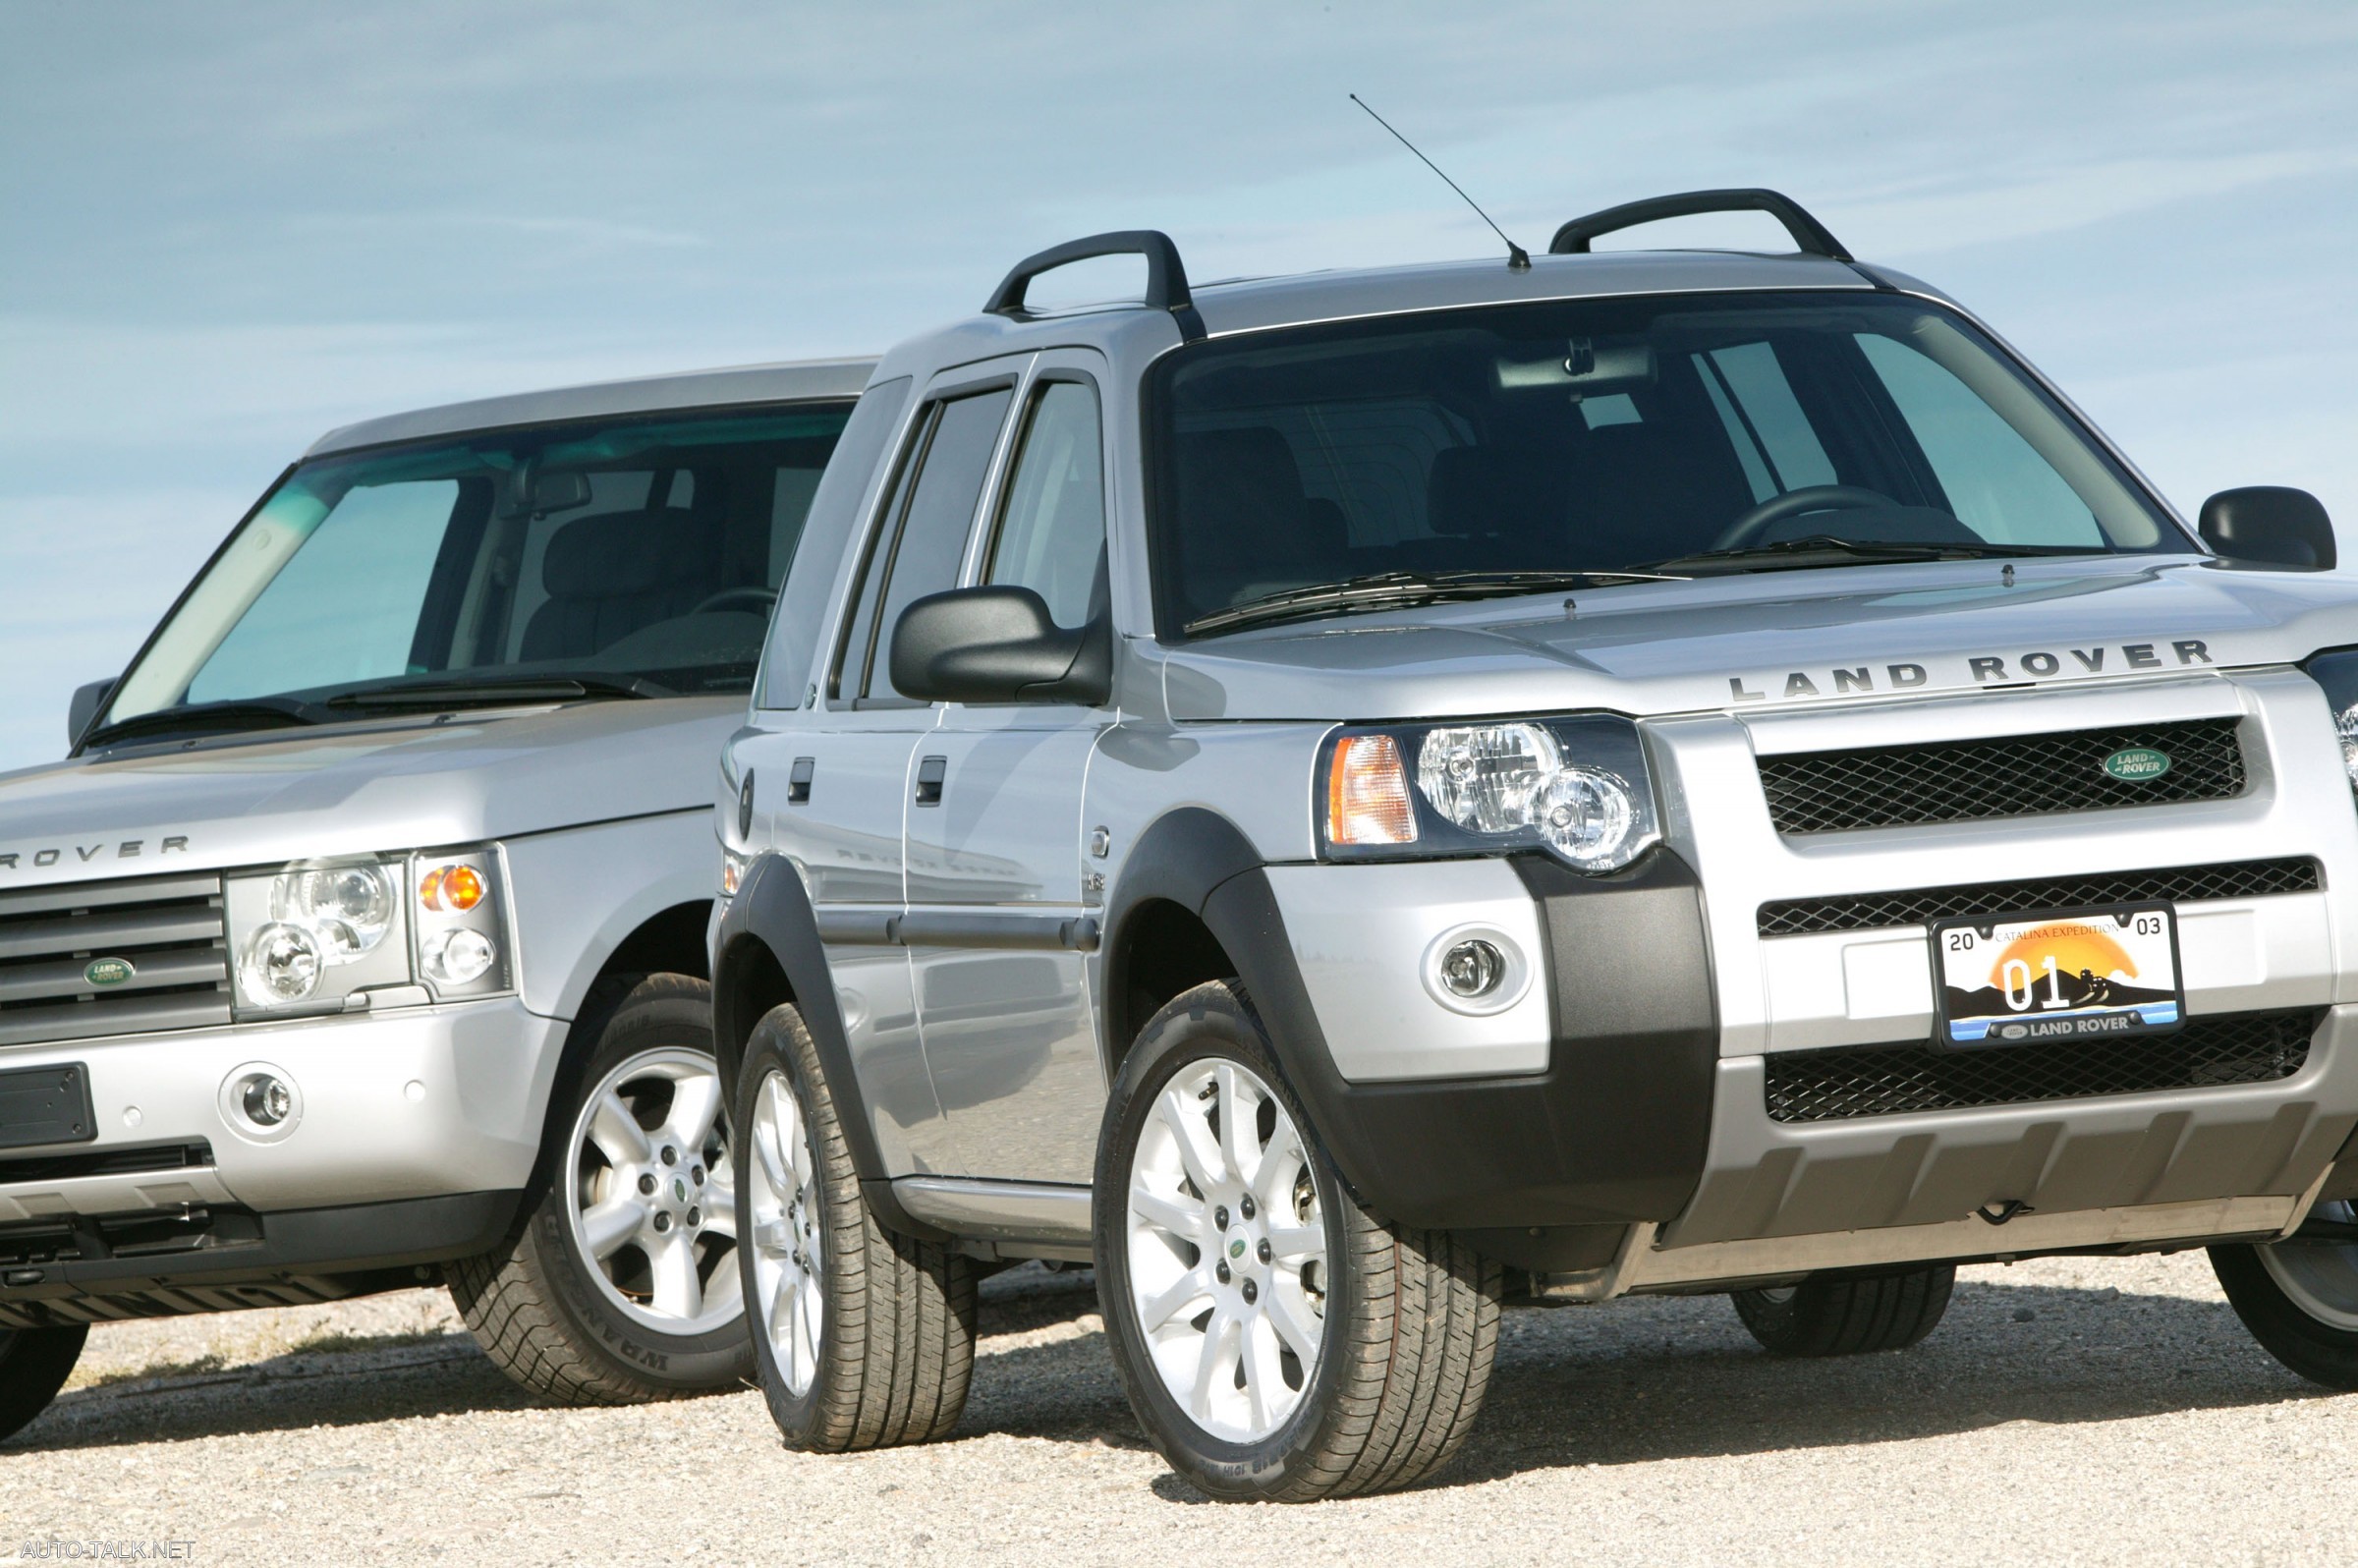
(1354, 799)
(360, 940)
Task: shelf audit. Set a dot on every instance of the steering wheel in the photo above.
(753, 600)
(1751, 524)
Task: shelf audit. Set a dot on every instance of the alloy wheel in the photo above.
(782, 1189)
(1226, 1246)
(2319, 1277)
(653, 1202)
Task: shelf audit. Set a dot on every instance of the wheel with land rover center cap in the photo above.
(1278, 1341)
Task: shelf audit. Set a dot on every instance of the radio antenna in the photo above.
(1517, 258)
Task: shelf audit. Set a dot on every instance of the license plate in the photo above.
(45, 1106)
(2078, 974)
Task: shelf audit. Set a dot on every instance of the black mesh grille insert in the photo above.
(1890, 1079)
(2017, 775)
(2184, 885)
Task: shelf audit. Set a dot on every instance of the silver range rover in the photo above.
(1354, 799)
(359, 941)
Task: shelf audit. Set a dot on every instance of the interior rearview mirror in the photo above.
(88, 699)
(2269, 525)
(999, 644)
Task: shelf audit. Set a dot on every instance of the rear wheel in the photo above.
(622, 1286)
(2300, 1299)
(1848, 1317)
(35, 1364)
(1277, 1342)
(864, 1339)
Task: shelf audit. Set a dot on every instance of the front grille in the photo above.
(1892, 1079)
(2016, 775)
(1921, 906)
(167, 930)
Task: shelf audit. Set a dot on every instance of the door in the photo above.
(841, 814)
(996, 926)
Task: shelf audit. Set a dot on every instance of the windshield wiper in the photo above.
(242, 713)
(497, 691)
(1825, 549)
(1379, 591)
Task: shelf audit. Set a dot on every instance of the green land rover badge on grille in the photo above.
(2137, 765)
(108, 971)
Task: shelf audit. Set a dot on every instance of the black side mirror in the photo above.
(88, 699)
(2269, 525)
(999, 644)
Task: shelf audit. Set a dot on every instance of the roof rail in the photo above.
(1809, 236)
(1167, 277)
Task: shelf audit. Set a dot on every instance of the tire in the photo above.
(2299, 1300)
(620, 1288)
(864, 1339)
(35, 1364)
(1357, 1360)
(1853, 1316)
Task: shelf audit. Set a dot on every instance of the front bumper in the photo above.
(1669, 1002)
(419, 1103)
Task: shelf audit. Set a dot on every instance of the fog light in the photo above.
(1472, 969)
(267, 1100)
(1478, 970)
(260, 1103)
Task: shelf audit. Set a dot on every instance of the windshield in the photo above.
(1609, 435)
(639, 557)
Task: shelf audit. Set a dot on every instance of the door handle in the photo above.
(930, 771)
(798, 782)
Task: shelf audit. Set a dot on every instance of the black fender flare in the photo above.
(772, 913)
(1615, 1130)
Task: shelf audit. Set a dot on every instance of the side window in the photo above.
(1053, 531)
(1998, 483)
(924, 533)
(821, 541)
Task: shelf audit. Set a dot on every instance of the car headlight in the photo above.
(306, 937)
(315, 936)
(1575, 787)
(2338, 673)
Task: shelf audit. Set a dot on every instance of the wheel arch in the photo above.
(671, 941)
(768, 953)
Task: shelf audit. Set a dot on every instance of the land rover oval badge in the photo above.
(2137, 765)
(108, 971)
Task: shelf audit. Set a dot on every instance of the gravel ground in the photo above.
(2068, 1411)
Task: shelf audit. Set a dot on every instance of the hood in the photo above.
(357, 787)
(1784, 638)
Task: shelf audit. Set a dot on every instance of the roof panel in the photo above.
(649, 394)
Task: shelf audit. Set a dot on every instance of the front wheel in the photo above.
(865, 1338)
(35, 1364)
(2300, 1299)
(1277, 1342)
(622, 1286)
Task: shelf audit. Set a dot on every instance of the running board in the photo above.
(1016, 1219)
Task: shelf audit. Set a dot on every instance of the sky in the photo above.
(226, 228)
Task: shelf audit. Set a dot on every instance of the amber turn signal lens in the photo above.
(1366, 793)
(453, 887)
